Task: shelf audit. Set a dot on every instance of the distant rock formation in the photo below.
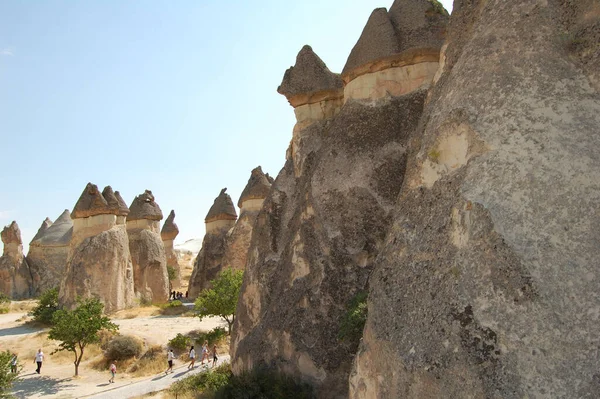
(250, 202)
(99, 261)
(488, 282)
(151, 279)
(323, 224)
(210, 260)
(15, 276)
(48, 253)
(167, 234)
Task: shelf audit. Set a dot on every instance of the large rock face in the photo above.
(168, 233)
(151, 279)
(323, 224)
(211, 259)
(250, 203)
(15, 276)
(48, 253)
(99, 261)
(488, 283)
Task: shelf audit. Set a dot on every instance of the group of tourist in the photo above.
(38, 359)
(177, 295)
(192, 356)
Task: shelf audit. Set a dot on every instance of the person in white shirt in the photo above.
(192, 358)
(39, 358)
(170, 357)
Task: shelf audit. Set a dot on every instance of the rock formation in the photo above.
(48, 253)
(210, 260)
(488, 282)
(151, 279)
(167, 234)
(250, 202)
(324, 222)
(99, 261)
(15, 277)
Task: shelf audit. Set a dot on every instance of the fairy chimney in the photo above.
(168, 233)
(15, 276)
(222, 214)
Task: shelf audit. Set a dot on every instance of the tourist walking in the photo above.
(192, 357)
(170, 357)
(214, 351)
(39, 358)
(13, 364)
(113, 371)
(204, 352)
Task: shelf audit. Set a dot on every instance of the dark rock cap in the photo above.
(144, 207)
(111, 199)
(123, 208)
(308, 75)
(377, 40)
(222, 208)
(169, 230)
(11, 234)
(258, 186)
(419, 23)
(45, 224)
(59, 233)
(91, 203)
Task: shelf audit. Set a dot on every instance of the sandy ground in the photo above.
(56, 379)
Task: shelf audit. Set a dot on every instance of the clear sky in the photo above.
(178, 97)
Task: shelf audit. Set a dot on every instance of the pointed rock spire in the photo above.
(308, 77)
(378, 40)
(222, 208)
(90, 203)
(419, 23)
(144, 207)
(11, 234)
(169, 230)
(58, 234)
(111, 199)
(45, 224)
(123, 208)
(258, 186)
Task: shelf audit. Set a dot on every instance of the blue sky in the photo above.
(178, 97)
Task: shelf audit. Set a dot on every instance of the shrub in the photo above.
(4, 303)
(48, 304)
(151, 362)
(266, 384)
(180, 342)
(173, 304)
(4, 298)
(6, 377)
(354, 319)
(214, 336)
(123, 347)
(208, 382)
(172, 272)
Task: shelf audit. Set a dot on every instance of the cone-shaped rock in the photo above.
(151, 279)
(123, 208)
(15, 276)
(168, 233)
(378, 40)
(144, 207)
(111, 199)
(45, 224)
(48, 253)
(99, 261)
(222, 208)
(90, 203)
(307, 77)
(419, 23)
(487, 282)
(258, 187)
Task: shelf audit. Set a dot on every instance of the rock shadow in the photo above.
(29, 387)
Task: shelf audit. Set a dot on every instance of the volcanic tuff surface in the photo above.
(15, 276)
(488, 282)
(168, 233)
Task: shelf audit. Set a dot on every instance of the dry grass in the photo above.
(151, 362)
(22, 306)
(137, 312)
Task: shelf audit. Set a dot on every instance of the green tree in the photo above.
(48, 304)
(78, 328)
(6, 377)
(221, 300)
(172, 273)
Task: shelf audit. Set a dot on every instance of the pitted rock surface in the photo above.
(15, 276)
(44, 226)
(222, 208)
(144, 207)
(169, 230)
(91, 203)
(209, 262)
(258, 186)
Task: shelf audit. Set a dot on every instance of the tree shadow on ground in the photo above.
(26, 388)
(18, 330)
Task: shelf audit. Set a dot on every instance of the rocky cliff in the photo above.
(168, 234)
(99, 261)
(15, 276)
(151, 280)
(487, 286)
(48, 252)
(324, 222)
(210, 261)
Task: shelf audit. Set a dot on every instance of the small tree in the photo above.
(6, 376)
(46, 307)
(78, 328)
(221, 300)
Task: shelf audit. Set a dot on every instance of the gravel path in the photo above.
(152, 384)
